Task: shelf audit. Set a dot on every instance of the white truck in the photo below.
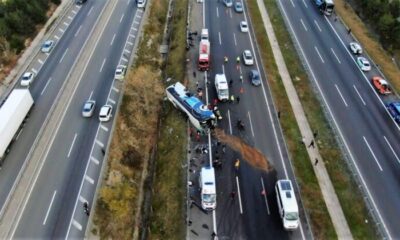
(13, 113)
(208, 188)
(222, 87)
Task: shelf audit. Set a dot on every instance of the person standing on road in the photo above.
(225, 59)
(238, 99)
(237, 164)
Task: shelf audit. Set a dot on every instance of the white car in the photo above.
(363, 63)
(27, 79)
(47, 46)
(228, 3)
(248, 58)
(141, 3)
(243, 26)
(88, 108)
(105, 113)
(355, 48)
(120, 72)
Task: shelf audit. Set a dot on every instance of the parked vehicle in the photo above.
(355, 48)
(27, 79)
(287, 204)
(364, 64)
(120, 72)
(248, 58)
(325, 6)
(255, 77)
(238, 7)
(243, 26)
(88, 108)
(204, 55)
(141, 3)
(381, 85)
(47, 46)
(14, 112)
(222, 87)
(105, 113)
(208, 188)
(228, 3)
(394, 110)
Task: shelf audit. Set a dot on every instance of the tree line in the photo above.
(18, 20)
(384, 16)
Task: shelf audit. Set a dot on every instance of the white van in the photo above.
(222, 87)
(208, 189)
(204, 34)
(288, 209)
(141, 3)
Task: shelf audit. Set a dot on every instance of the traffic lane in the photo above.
(16, 159)
(352, 130)
(110, 77)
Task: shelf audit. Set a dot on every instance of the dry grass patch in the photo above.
(134, 137)
(369, 42)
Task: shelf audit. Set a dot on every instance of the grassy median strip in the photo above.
(345, 188)
(167, 220)
(134, 136)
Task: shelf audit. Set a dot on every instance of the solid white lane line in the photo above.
(251, 124)
(230, 13)
(61, 30)
(49, 208)
(373, 154)
(89, 179)
(99, 143)
(230, 123)
(77, 225)
(56, 37)
(335, 56)
(93, 159)
(72, 145)
(40, 61)
(234, 39)
(304, 2)
(102, 65)
(340, 93)
(304, 26)
(66, 50)
(223, 69)
(34, 71)
(316, 24)
(104, 127)
(91, 94)
(316, 49)
(112, 40)
(77, 31)
(239, 195)
(391, 148)
(45, 86)
(65, 23)
(90, 11)
(265, 195)
(359, 95)
(111, 101)
(292, 3)
(219, 37)
(204, 15)
(217, 13)
(122, 17)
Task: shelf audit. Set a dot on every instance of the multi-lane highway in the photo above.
(370, 137)
(253, 215)
(73, 160)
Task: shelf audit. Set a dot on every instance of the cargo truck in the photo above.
(13, 114)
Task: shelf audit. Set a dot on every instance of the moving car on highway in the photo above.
(47, 46)
(381, 85)
(228, 3)
(248, 58)
(243, 26)
(394, 109)
(255, 77)
(355, 48)
(238, 7)
(364, 64)
(105, 113)
(88, 108)
(27, 79)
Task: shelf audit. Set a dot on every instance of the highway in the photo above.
(252, 216)
(369, 135)
(73, 161)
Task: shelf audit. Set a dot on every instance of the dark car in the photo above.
(394, 109)
(79, 2)
(255, 78)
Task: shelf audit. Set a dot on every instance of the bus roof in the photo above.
(287, 195)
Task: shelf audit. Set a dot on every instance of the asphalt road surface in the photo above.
(369, 136)
(72, 165)
(250, 215)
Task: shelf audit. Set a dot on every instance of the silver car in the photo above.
(88, 108)
(47, 46)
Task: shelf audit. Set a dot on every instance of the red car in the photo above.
(381, 85)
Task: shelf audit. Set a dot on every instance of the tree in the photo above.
(385, 26)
